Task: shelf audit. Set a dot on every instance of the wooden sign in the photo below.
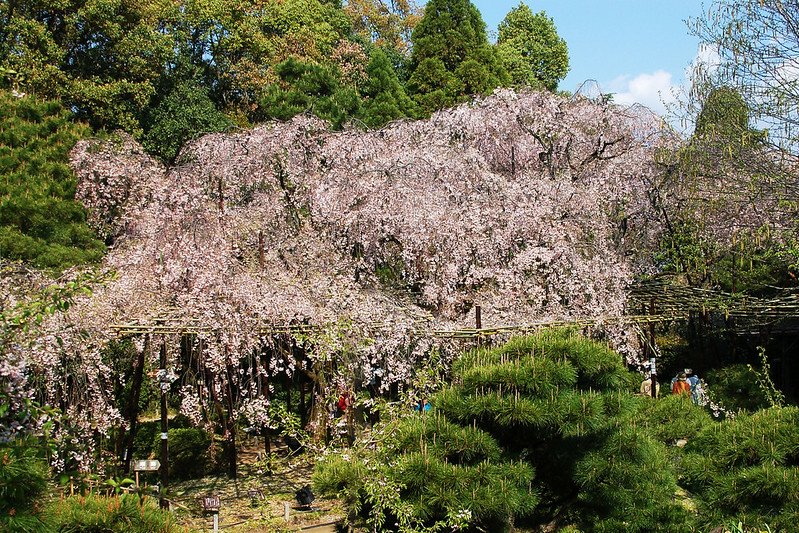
(211, 504)
(146, 465)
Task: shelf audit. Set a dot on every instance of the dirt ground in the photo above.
(256, 501)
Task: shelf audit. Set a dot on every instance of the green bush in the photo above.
(747, 469)
(767, 437)
(185, 113)
(40, 221)
(118, 514)
(597, 366)
(337, 475)
(735, 387)
(444, 440)
(23, 481)
(672, 417)
(188, 452)
(544, 432)
(525, 427)
(628, 481)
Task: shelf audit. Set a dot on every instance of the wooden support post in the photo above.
(221, 196)
(513, 161)
(652, 325)
(478, 324)
(261, 256)
(654, 376)
(164, 383)
(133, 406)
(267, 432)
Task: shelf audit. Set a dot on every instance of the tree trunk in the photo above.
(133, 407)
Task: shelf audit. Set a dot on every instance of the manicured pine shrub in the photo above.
(436, 436)
(23, 481)
(672, 417)
(747, 469)
(521, 431)
(118, 514)
(40, 221)
(628, 484)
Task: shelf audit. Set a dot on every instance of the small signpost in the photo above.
(211, 505)
(145, 465)
(654, 375)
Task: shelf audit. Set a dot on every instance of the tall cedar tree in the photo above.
(451, 58)
(531, 50)
(40, 222)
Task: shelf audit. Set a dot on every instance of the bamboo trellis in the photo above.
(654, 301)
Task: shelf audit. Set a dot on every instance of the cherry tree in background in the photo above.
(534, 206)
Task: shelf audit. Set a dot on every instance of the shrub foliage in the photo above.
(546, 431)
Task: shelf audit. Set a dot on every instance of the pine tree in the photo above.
(309, 87)
(384, 96)
(40, 222)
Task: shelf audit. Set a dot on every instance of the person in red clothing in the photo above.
(344, 401)
(681, 386)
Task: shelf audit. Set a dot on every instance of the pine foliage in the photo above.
(748, 468)
(537, 431)
(309, 88)
(40, 222)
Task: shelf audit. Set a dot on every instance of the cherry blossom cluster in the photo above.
(532, 205)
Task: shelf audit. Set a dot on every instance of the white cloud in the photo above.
(653, 90)
(707, 59)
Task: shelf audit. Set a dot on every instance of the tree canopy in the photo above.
(724, 114)
(40, 221)
(451, 57)
(755, 42)
(531, 50)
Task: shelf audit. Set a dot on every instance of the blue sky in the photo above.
(637, 49)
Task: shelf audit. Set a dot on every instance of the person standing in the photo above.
(681, 386)
(646, 387)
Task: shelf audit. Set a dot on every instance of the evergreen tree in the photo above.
(184, 114)
(724, 114)
(309, 87)
(451, 57)
(531, 50)
(385, 98)
(40, 222)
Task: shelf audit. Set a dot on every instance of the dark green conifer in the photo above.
(40, 221)
(308, 87)
(384, 96)
(452, 58)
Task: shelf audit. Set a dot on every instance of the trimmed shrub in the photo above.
(118, 514)
(23, 482)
